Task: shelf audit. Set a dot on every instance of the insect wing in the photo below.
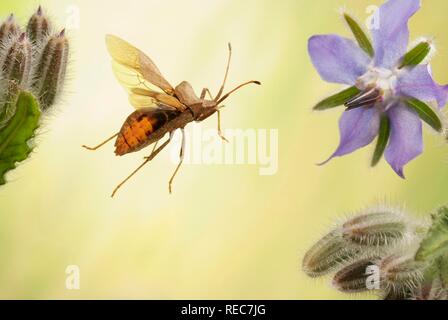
(129, 56)
(161, 98)
(141, 94)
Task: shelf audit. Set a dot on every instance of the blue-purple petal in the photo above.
(358, 128)
(406, 140)
(391, 35)
(419, 83)
(337, 59)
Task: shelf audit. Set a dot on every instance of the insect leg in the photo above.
(225, 75)
(204, 92)
(219, 127)
(151, 156)
(181, 156)
(154, 148)
(101, 144)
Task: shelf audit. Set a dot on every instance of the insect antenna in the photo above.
(225, 75)
(237, 88)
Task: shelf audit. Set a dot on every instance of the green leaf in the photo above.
(338, 99)
(435, 243)
(360, 35)
(383, 139)
(426, 113)
(416, 55)
(15, 135)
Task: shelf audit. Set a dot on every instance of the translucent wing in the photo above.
(145, 98)
(129, 56)
(141, 101)
(141, 95)
(129, 78)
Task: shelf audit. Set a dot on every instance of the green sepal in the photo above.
(383, 139)
(416, 55)
(360, 35)
(426, 113)
(337, 99)
(19, 130)
(435, 243)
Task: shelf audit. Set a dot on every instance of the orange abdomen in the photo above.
(137, 129)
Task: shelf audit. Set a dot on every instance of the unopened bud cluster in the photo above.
(378, 251)
(33, 59)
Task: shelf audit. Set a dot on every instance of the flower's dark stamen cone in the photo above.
(365, 98)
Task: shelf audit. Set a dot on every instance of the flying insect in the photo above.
(160, 107)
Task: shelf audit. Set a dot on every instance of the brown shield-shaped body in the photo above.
(137, 130)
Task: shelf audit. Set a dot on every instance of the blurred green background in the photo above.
(226, 232)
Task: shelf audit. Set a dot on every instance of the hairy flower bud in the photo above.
(14, 72)
(375, 229)
(16, 64)
(327, 254)
(9, 29)
(39, 26)
(49, 73)
(400, 272)
(8, 102)
(353, 278)
(32, 67)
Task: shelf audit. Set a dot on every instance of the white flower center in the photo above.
(384, 80)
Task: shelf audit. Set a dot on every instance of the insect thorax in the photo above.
(185, 93)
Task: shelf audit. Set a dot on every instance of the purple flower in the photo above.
(390, 91)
